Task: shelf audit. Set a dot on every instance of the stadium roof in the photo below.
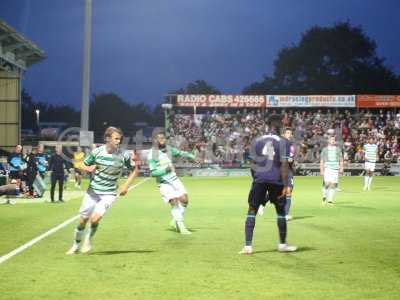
(16, 51)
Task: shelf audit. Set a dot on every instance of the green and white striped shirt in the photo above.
(331, 155)
(108, 169)
(370, 151)
(160, 162)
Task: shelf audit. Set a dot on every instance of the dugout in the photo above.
(17, 53)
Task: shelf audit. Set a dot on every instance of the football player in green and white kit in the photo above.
(106, 162)
(171, 188)
(371, 156)
(331, 165)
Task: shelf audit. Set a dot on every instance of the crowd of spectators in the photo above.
(225, 137)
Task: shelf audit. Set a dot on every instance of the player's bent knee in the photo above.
(174, 201)
(83, 220)
(95, 218)
(252, 210)
(184, 199)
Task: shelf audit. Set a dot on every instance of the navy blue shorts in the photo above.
(258, 192)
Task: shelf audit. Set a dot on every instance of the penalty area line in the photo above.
(50, 232)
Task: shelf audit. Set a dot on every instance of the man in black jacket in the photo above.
(31, 170)
(57, 165)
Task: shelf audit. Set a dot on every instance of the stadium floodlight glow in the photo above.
(37, 116)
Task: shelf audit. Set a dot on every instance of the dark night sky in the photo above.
(141, 49)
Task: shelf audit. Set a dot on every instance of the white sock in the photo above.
(366, 181)
(177, 213)
(324, 192)
(91, 232)
(79, 231)
(369, 181)
(78, 235)
(182, 208)
(181, 225)
(331, 194)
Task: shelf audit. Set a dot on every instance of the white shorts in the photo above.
(331, 175)
(95, 203)
(369, 166)
(172, 190)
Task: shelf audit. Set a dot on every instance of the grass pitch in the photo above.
(347, 251)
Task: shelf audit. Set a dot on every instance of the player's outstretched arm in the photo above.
(185, 154)
(157, 171)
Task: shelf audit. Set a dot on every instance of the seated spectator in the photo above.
(17, 163)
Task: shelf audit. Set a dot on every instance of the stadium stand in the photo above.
(17, 54)
(230, 133)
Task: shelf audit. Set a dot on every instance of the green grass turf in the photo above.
(348, 251)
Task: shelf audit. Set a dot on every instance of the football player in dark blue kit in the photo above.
(270, 154)
(288, 134)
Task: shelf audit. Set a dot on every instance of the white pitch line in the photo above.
(50, 232)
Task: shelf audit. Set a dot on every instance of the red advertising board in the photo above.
(289, 101)
(221, 100)
(378, 101)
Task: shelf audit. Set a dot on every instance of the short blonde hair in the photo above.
(110, 130)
